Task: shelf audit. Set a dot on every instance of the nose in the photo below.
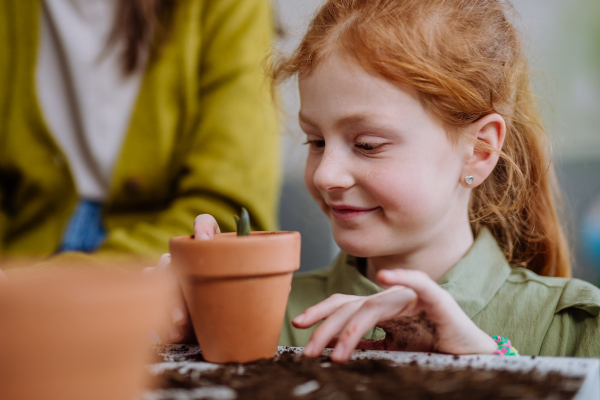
(333, 171)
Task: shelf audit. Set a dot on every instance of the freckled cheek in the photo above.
(401, 195)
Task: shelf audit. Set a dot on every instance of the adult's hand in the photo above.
(179, 328)
(416, 313)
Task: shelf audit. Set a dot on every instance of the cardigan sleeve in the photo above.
(231, 155)
(4, 90)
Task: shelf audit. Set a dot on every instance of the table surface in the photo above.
(177, 357)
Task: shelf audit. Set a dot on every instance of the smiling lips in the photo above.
(344, 212)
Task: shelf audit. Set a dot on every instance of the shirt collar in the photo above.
(475, 279)
(345, 278)
(472, 282)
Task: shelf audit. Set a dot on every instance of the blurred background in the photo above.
(563, 43)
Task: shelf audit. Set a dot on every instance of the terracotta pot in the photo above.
(77, 335)
(236, 290)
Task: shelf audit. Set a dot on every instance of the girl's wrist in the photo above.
(487, 345)
(476, 343)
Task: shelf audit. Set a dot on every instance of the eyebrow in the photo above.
(340, 123)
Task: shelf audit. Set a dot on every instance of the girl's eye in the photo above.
(368, 146)
(316, 143)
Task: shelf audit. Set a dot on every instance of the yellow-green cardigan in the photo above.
(203, 136)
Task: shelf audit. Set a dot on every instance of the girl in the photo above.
(429, 158)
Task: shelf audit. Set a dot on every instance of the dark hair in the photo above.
(139, 23)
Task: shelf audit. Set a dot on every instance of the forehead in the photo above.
(340, 91)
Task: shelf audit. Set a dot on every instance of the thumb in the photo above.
(205, 227)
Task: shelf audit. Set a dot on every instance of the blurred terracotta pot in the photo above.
(236, 289)
(77, 335)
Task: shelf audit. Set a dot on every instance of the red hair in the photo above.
(465, 59)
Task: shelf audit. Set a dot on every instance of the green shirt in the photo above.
(540, 315)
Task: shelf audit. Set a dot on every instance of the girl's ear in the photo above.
(485, 137)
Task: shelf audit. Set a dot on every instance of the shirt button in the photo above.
(133, 185)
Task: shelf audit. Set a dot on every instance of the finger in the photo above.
(320, 311)
(173, 334)
(356, 327)
(181, 318)
(163, 262)
(177, 322)
(380, 307)
(205, 227)
(180, 330)
(179, 314)
(189, 336)
(428, 291)
(170, 332)
(330, 328)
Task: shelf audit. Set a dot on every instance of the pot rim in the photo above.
(261, 253)
(255, 236)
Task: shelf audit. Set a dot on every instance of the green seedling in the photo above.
(243, 223)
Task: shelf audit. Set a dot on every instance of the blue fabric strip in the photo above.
(85, 231)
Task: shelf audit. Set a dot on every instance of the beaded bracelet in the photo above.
(504, 347)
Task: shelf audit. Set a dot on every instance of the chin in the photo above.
(356, 245)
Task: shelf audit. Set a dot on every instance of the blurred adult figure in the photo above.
(121, 120)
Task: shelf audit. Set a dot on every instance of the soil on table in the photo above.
(292, 376)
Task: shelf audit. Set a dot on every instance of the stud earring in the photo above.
(469, 180)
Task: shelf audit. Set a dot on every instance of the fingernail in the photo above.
(178, 314)
(204, 236)
(386, 274)
(299, 319)
(309, 349)
(339, 350)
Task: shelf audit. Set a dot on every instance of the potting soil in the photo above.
(293, 376)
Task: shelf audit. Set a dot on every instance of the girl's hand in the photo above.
(416, 314)
(179, 328)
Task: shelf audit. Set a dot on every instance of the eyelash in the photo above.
(368, 146)
(314, 143)
(361, 145)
